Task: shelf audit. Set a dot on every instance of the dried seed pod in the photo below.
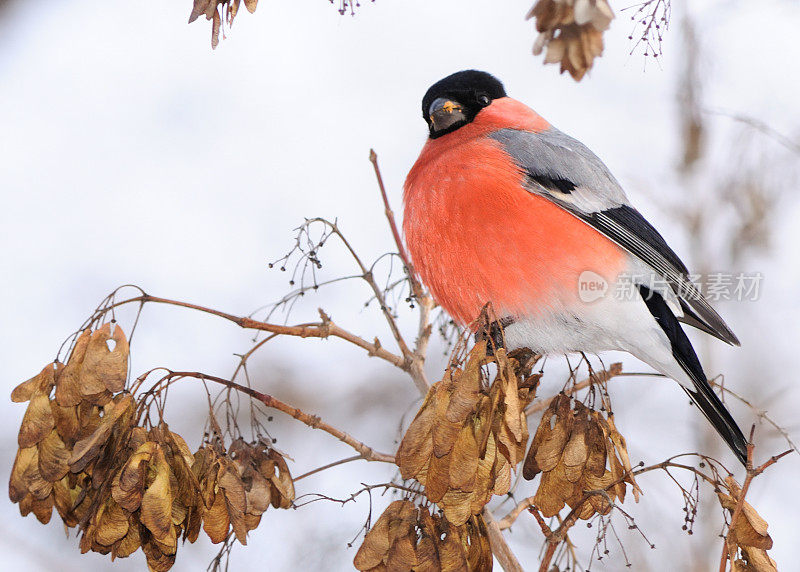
(43, 383)
(407, 537)
(37, 422)
(156, 504)
(53, 457)
(578, 452)
(68, 384)
(750, 529)
(467, 437)
(103, 368)
(572, 32)
(87, 449)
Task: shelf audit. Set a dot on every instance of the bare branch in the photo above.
(312, 421)
(614, 370)
(324, 329)
(512, 516)
(762, 414)
(500, 548)
(421, 297)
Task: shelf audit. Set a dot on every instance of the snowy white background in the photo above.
(130, 152)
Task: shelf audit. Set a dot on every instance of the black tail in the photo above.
(703, 396)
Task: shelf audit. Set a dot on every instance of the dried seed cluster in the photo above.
(219, 11)
(572, 31)
(466, 438)
(237, 487)
(81, 451)
(578, 450)
(749, 533)
(406, 537)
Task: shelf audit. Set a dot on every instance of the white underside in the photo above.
(608, 323)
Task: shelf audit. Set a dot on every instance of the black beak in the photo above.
(444, 113)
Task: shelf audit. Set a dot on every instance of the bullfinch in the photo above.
(502, 208)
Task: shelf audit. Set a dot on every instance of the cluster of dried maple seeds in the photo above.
(82, 452)
(583, 460)
(465, 441)
(572, 32)
(407, 537)
(748, 534)
(219, 11)
(466, 438)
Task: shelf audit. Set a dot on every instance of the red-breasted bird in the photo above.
(501, 207)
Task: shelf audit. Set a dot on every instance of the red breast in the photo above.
(476, 235)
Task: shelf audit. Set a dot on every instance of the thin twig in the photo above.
(423, 300)
(312, 421)
(500, 548)
(512, 516)
(761, 413)
(415, 285)
(328, 466)
(324, 329)
(614, 370)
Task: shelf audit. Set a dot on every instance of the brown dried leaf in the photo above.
(134, 470)
(550, 495)
(475, 543)
(112, 525)
(596, 460)
(749, 529)
(18, 483)
(444, 431)
(502, 476)
(131, 541)
(283, 492)
(216, 520)
(376, 545)
(484, 479)
(199, 8)
(68, 385)
(105, 369)
(457, 506)
(464, 460)
(194, 522)
(43, 508)
(42, 383)
(576, 451)
(89, 419)
(759, 560)
(66, 421)
(258, 493)
(236, 500)
(215, 29)
(451, 553)
(437, 481)
(252, 521)
(35, 483)
(53, 457)
(622, 449)
(465, 386)
(88, 448)
(37, 422)
(417, 444)
(156, 507)
(556, 425)
(157, 561)
(402, 554)
(250, 5)
(64, 499)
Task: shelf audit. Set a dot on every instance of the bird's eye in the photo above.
(483, 99)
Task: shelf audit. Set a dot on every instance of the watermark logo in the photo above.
(591, 286)
(714, 287)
